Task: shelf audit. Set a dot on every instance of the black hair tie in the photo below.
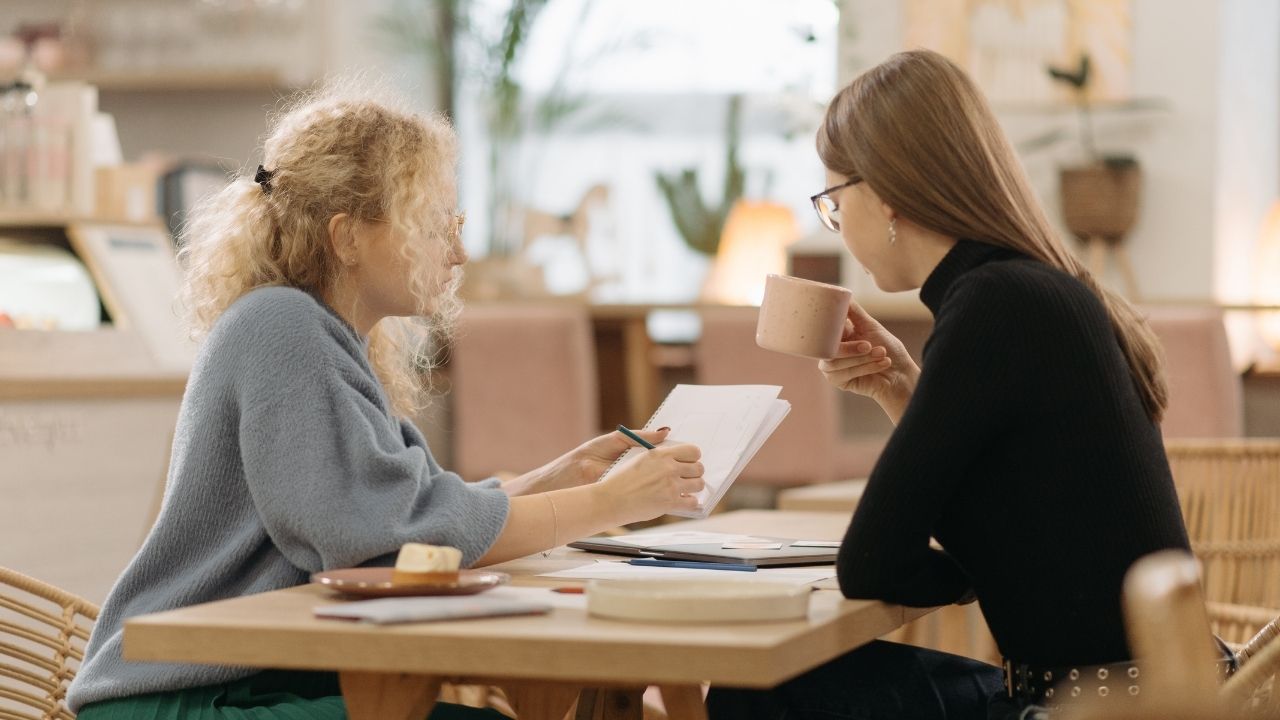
(263, 178)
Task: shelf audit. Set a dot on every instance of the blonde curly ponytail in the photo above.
(337, 150)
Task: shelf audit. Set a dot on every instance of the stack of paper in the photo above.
(728, 423)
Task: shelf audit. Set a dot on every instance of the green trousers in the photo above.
(270, 695)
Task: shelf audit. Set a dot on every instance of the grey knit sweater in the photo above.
(286, 461)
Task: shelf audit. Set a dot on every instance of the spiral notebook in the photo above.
(729, 423)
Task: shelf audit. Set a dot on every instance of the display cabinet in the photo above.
(86, 415)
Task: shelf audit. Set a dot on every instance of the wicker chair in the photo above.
(43, 631)
(1230, 493)
(1253, 684)
(1168, 628)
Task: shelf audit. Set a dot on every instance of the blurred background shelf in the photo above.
(38, 219)
(1134, 104)
(179, 80)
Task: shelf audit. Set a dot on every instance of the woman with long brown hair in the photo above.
(1028, 441)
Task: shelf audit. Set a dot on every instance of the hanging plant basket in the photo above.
(1101, 199)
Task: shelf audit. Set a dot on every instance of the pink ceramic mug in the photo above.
(802, 317)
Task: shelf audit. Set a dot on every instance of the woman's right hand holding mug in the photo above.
(655, 482)
(870, 361)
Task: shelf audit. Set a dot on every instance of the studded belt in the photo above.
(1044, 685)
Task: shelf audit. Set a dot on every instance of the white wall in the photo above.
(1176, 55)
(1210, 160)
(1248, 139)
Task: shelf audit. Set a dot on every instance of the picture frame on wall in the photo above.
(137, 275)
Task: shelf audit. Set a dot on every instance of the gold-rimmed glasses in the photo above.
(826, 206)
(455, 233)
(459, 219)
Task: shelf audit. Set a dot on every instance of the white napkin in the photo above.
(385, 611)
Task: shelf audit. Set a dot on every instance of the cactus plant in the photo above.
(700, 225)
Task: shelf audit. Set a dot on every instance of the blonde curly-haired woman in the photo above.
(309, 283)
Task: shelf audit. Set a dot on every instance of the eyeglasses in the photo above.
(459, 219)
(826, 206)
(455, 234)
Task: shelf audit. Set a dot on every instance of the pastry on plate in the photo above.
(419, 564)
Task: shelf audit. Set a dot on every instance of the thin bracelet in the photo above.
(555, 526)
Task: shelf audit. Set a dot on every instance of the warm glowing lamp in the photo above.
(1266, 280)
(752, 245)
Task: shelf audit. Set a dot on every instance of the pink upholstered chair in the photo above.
(524, 386)
(1205, 391)
(808, 447)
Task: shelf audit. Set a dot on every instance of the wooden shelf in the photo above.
(106, 362)
(180, 80)
(170, 386)
(10, 219)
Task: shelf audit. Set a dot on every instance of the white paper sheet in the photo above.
(729, 423)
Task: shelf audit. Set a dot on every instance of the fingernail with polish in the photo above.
(663, 429)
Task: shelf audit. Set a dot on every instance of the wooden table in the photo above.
(544, 662)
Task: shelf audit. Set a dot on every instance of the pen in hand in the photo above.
(643, 443)
(631, 434)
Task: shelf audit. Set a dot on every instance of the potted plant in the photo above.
(699, 222)
(458, 48)
(1099, 197)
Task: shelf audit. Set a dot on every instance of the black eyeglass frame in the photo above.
(829, 222)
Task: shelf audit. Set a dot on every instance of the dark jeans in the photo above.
(878, 680)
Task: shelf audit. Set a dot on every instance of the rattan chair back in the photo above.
(43, 632)
(1253, 685)
(1230, 494)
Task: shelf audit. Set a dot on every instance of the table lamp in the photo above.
(753, 244)
(1266, 281)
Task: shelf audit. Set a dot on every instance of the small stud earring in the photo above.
(893, 230)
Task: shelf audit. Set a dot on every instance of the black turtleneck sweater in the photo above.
(1025, 451)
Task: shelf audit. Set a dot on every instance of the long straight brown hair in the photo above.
(919, 132)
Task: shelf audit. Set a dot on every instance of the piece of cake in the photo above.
(419, 564)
